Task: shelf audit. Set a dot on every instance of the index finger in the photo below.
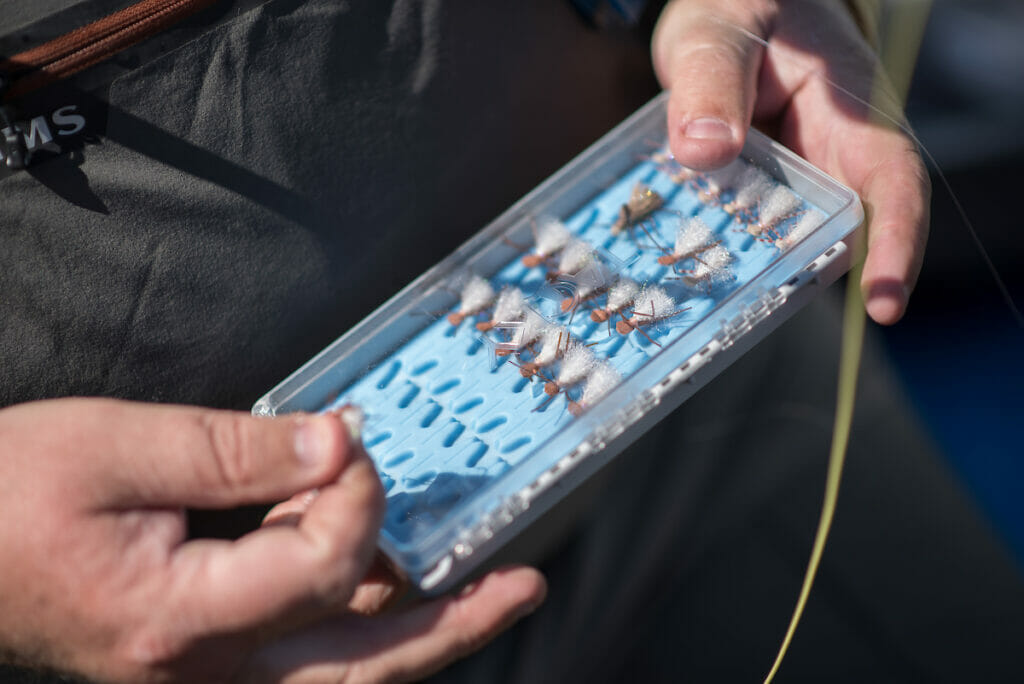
(896, 196)
(148, 455)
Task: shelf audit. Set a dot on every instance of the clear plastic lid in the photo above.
(505, 357)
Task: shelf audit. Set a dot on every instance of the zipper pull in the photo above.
(13, 151)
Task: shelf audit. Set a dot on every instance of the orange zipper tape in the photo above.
(93, 43)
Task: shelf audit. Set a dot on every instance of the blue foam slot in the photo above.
(445, 418)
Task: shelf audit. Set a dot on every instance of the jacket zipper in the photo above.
(82, 48)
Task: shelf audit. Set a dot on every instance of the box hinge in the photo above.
(749, 316)
(618, 424)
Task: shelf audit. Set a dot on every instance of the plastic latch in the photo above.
(749, 316)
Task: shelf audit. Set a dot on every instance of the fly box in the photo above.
(501, 378)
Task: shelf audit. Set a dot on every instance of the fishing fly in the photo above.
(508, 307)
(603, 378)
(651, 306)
(550, 236)
(476, 295)
(693, 238)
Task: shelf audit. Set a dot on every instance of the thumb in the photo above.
(712, 68)
(201, 458)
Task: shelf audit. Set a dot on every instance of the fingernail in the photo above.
(528, 609)
(708, 128)
(352, 418)
(313, 440)
(886, 301)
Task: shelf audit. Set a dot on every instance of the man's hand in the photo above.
(96, 576)
(722, 79)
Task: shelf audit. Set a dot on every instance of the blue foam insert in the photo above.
(443, 420)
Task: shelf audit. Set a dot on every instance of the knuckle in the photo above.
(700, 53)
(763, 15)
(231, 449)
(338, 585)
(756, 16)
(339, 567)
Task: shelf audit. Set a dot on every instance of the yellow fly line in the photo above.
(849, 363)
